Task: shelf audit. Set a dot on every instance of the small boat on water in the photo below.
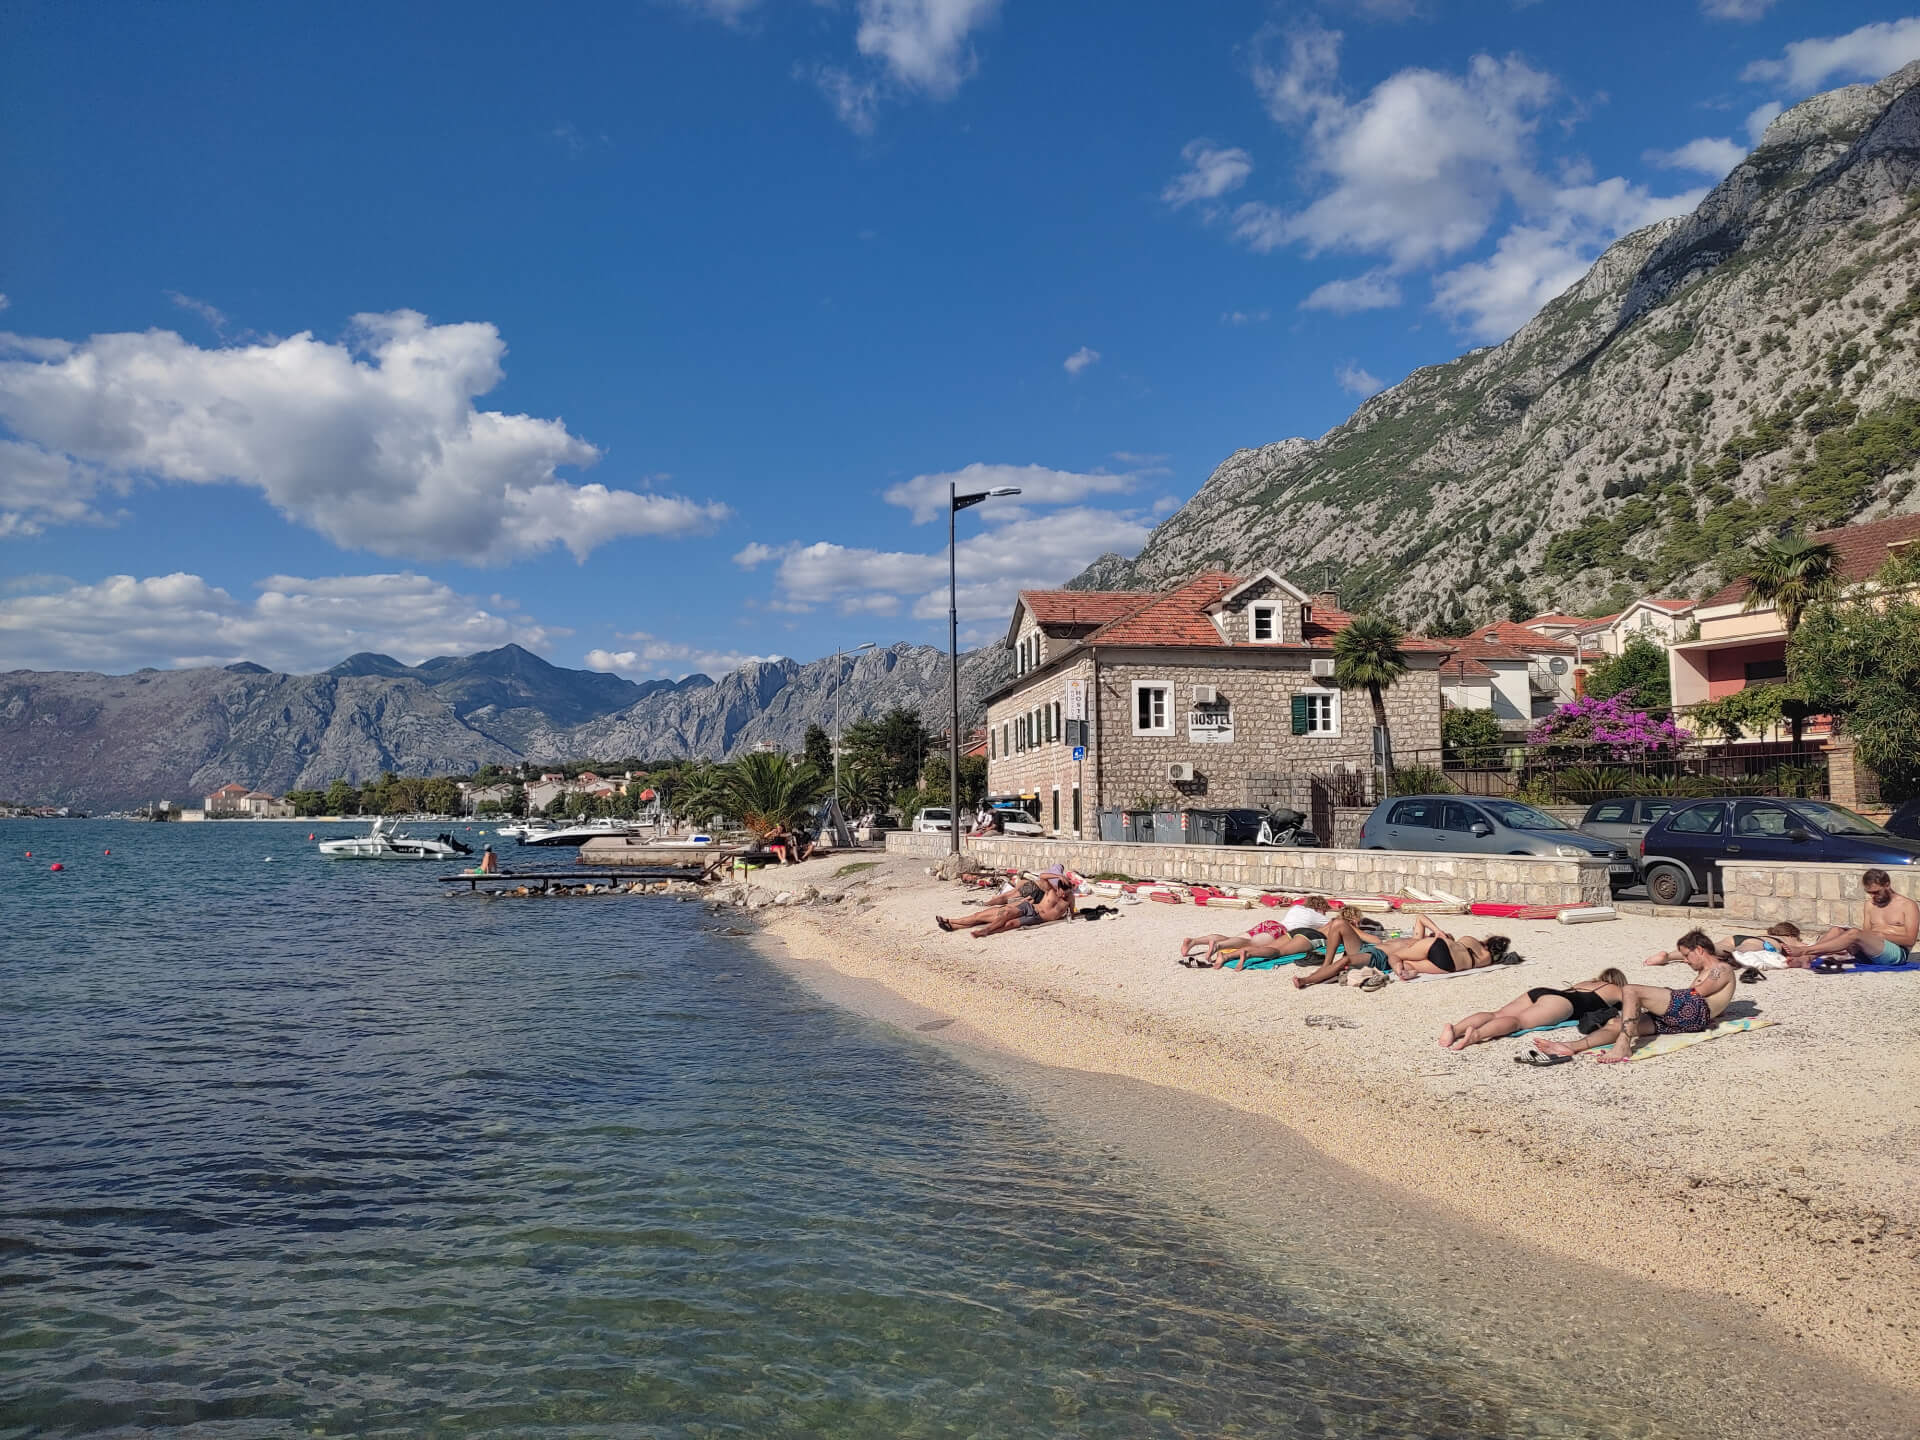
(389, 842)
(522, 830)
(581, 833)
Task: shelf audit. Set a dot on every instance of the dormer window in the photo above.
(1264, 623)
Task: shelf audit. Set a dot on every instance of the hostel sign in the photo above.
(1211, 724)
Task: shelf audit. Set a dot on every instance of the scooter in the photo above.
(1286, 827)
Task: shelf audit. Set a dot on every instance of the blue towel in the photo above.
(1557, 1025)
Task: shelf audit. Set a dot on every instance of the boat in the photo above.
(384, 841)
(580, 834)
(524, 830)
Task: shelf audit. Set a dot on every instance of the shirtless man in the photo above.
(1056, 904)
(1029, 891)
(1650, 1010)
(1887, 935)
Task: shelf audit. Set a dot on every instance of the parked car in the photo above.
(1016, 820)
(1625, 818)
(1683, 850)
(934, 817)
(1905, 822)
(1480, 825)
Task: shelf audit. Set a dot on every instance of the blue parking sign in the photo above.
(1079, 752)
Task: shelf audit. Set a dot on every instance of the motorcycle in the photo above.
(1286, 827)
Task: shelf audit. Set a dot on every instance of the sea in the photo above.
(291, 1146)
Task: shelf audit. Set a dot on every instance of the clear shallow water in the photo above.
(309, 1145)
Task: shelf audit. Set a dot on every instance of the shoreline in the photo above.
(1800, 1212)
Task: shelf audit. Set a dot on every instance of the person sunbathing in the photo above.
(1056, 904)
(1347, 946)
(1888, 932)
(1428, 951)
(1651, 1010)
(1031, 889)
(1763, 952)
(1269, 940)
(1539, 1007)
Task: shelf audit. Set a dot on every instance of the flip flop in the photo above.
(943, 922)
(1535, 1057)
(1510, 960)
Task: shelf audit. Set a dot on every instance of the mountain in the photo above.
(1712, 378)
(116, 741)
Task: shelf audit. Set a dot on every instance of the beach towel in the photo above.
(1866, 967)
(1557, 1025)
(1667, 1044)
(1455, 975)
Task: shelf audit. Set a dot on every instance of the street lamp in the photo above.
(957, 502)
(837, 653)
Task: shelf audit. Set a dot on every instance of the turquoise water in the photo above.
(308, 1146)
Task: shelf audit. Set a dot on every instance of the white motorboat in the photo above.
(524, 830)
(384, 841)
(580, 834)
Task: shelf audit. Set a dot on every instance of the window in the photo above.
(1762, 822)
(1006, 737)
(1699, 820)
(1265, 623)
(1058, 729)
(1152, 708)
(991, 737)
(1460, 817)
(1415, 812)
(1056, 807)
(1615, 814)
(1652, 810)
(1760, 671)
(1076, 809)
(1317, 712)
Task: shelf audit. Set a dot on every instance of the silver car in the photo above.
(1481, 825)
(1625, 819)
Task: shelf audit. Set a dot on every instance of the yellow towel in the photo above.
(1667, 1044)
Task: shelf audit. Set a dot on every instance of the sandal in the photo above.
(1535, 1057)
(1752, 975)
(943, 922)
(1374, 981)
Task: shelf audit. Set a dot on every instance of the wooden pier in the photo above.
(545, 880)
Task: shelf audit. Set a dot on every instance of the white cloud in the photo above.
(926, 495)
(293, 624)
(1490, 299)
(651, 658)
(1761, 118)
(215, 317)
(4, 302)
(377, 444)
(923, 43)
(1080, 360)
(1261, 227)
(1356, 381)
(752, 555)
(1376, 290)
(1245, 317)
(1868, 53)
(1211, 172)
(1735, 9)
(1707, 156)
(855, 101)
(38, 489)
(727, 12)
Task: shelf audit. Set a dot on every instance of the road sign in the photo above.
(1079, 752)
(1076, 699)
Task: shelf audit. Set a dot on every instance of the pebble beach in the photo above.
(1778, 1167)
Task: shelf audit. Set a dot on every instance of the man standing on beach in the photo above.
(1652, 1010)
(1887, 934)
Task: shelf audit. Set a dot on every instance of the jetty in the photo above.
(641, 852)
(544, 881)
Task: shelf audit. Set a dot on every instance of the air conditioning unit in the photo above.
(1180, 770)
(1205, 695)
(1322, 669)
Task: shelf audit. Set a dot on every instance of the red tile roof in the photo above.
(1081, 607)
(1476, 647)
(1178, 617)
(231, 789)
(1555, 619)
(1676, 606)
(1463, 667)
(1862, 549)
(1506, 632)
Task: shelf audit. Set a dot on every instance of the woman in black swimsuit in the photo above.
(1539, 1006)
(1432, 951)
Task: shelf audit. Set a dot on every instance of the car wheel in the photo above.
(1669, 885)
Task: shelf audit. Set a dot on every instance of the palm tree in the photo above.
(1367, 656)
(702, 793)
(769, 792)
(1791, 574)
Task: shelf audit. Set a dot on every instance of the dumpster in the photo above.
(1137, 826)
(1207, 827)
(1167, 829)
(1112, 827)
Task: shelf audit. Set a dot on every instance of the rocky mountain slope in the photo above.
(1712, 378)
(117, 741)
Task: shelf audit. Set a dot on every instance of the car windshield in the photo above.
(934, 814)
(1516, 816)
(1838, 820)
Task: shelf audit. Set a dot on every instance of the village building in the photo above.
(1514, 670)
(1217, 694)
(237, 802)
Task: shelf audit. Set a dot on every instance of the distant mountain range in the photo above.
(104, 742)
(1712, 378)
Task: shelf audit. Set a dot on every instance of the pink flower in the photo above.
(1629, 734)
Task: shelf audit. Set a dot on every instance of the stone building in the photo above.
(1204, 696)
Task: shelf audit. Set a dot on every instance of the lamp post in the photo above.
(957, 502)
(837, 653)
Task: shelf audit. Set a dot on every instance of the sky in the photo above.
(650, 335)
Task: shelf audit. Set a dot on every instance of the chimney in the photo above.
(1326, 600)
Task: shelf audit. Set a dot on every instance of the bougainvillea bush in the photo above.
(1625, 733)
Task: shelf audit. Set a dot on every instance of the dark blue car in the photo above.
(1686, 845)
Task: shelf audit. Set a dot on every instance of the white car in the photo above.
(1015, 821)
(934, 818)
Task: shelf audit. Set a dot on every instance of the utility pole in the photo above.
(957, 502)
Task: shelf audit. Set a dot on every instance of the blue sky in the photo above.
(646, 334)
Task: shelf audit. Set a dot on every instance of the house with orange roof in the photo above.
(1738, 646)
(1190, 698)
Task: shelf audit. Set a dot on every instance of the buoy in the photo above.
(106, 852)
(56, 866)
(309, 834)
(29, 854)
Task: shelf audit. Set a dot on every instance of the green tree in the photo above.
(1471, 736)
(1790, 574)
(1367, 656)
(441, 796)
(1638, 673)
(771, 792)
(897, 743)
(342, 798)
(973, 780)
(1858, 660)
(817, 748)
(700, 793)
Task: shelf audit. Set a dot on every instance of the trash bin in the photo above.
(1112, 827)
(1137, 826)
(1207, 827)
(1167, 829)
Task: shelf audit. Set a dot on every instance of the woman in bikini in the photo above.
(1428, 951)
(1539, 1007)
(1269, 940)
(1647, 1010)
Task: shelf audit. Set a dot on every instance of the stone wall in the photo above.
(1039, 769)
(1812, 896)
(1501, 879)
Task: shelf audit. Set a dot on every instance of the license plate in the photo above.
(1620, 869)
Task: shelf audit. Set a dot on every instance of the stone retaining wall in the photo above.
(1812, 896)
(1501, 879)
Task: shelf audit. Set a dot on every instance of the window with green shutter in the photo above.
(1299, 714)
